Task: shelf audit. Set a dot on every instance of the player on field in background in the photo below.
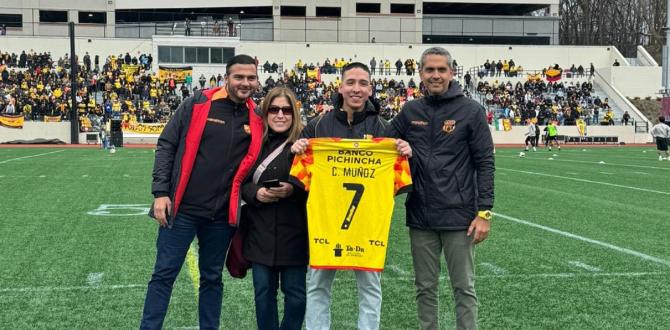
(552, 136)
(530, 135)
(661, 132)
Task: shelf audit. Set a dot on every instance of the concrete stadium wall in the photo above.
(61, 131)
(59, 46)
(625, 133)
(635, 81)
(37, 130)
(530, 57)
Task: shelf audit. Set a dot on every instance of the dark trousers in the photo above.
(266, 282)
(172, 246)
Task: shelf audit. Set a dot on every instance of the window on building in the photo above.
(328, 12)
(203, 55)
(176, 54)
(53, 16)
(216, 55)
(195, 55)
(93, 17)
(293, 11)
(402, 8)
(190, 54)
(228, 53)
(11, 20)
(368, 8)
(163, 54)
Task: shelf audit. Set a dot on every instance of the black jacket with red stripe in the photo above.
(178, 146)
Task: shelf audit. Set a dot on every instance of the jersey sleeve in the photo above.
(301, 174)
(402, 176)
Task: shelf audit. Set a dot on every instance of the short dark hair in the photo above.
(355, 65)
(661, 119)
(239, 59)
(440, 51)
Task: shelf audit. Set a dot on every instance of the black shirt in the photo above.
(225, 141)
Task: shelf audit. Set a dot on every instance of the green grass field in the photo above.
(575, 244)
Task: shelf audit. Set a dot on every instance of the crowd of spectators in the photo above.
(124, 86)
(545, 101)
(37, 85)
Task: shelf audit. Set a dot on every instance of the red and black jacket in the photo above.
(178, 146)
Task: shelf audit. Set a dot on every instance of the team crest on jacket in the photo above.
(449, 126)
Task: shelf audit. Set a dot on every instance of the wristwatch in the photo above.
(485, 215)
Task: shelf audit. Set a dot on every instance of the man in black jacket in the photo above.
(354, 117)
(449, 208)
(202, 157)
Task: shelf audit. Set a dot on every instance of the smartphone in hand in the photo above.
(271, 184)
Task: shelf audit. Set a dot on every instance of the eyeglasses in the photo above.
(287, 111)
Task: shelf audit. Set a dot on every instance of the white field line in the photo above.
(608, 173)
(587, 181)
(94, 279)
(73, 288)
(494, 268)
(588, 240)
(42, 176)
(609, 203)
(233, 282)
(396, 269)
(31, 156)
(85, 176)
(642, 173)
(582, 265)
(572, 275)
(585, 162)
(571, 173)
(531, 276)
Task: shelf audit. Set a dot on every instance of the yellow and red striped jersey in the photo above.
(351, 184)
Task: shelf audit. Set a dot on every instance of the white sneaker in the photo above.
(526, 149)
(660, 158)
(534, 149)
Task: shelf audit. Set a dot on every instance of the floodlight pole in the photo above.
(665, 109)
(74, 116)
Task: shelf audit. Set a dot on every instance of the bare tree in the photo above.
(621, 23)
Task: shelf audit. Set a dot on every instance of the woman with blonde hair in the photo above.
(275, 220)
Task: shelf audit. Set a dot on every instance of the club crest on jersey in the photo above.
(449, 126)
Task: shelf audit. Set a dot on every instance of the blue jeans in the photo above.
(317, 316)
(266, 281)
(172, 246)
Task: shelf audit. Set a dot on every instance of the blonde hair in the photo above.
(296, 124)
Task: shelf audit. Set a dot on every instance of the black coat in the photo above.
(276, 233)
(452, 162)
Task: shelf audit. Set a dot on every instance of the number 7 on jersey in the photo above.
(359, 189)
